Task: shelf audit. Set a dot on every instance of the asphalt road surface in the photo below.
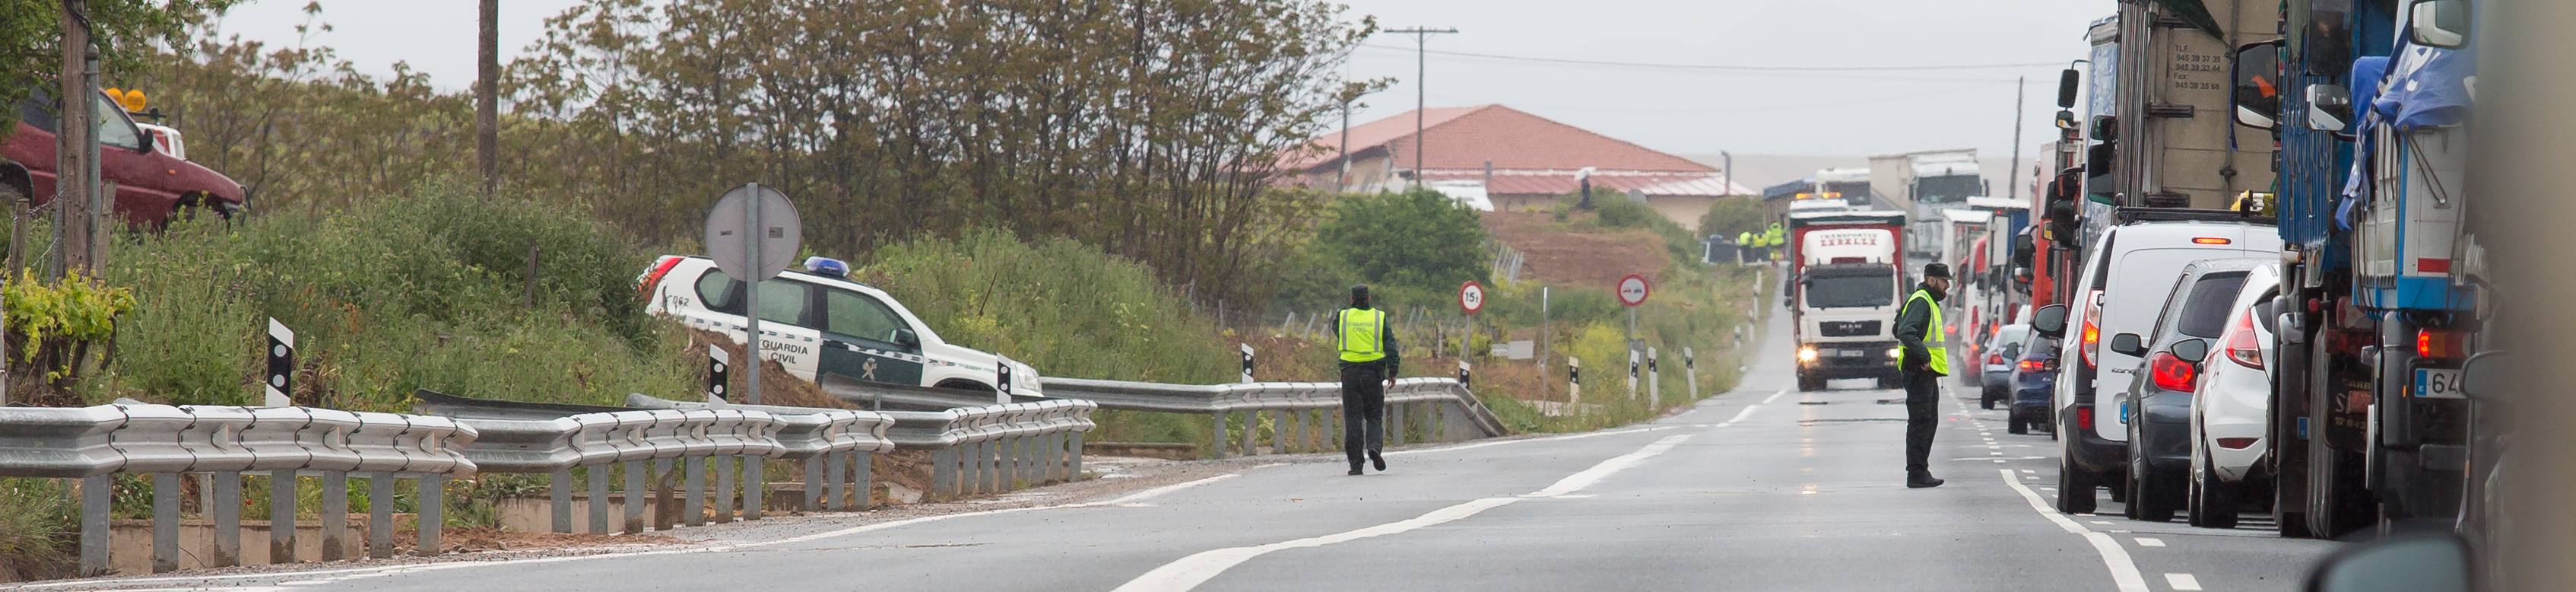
(1764, 488)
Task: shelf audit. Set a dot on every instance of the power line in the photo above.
(1727, 67)
(1783, 74)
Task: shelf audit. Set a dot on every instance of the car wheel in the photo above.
(2287, 520)
(2074, 488)
(2213, 502)
(1809, 383)
(1986, 398)
(2013, 423)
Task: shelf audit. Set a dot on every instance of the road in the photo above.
(1764, 488)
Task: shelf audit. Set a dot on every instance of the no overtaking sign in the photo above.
(1633, 290)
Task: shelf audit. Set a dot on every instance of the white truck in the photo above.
(1848, 281)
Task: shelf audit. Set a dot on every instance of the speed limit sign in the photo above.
(1471, 297)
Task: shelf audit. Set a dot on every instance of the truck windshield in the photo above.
(1852, 289)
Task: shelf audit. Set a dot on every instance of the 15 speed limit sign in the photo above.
(1471, 297)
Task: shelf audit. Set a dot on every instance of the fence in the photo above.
(93, 444)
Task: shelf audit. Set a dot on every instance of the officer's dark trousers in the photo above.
(1922, 395)
(1363, 410)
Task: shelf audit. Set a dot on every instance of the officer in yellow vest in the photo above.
(1369, 361)
(1745, 243)
(1924, 359)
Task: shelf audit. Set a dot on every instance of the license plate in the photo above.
(1849, 353)
(2438, 383)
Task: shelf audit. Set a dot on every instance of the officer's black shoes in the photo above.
(1922, 480)
(1377, 461)
(1355, 470)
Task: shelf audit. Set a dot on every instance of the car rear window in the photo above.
(2204, 310)
(2139, 283)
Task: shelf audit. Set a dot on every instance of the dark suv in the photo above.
(151, 184)
(2194, 312)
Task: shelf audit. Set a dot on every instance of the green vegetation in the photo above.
(1734, 214)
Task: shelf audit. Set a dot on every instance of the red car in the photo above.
(151, 183)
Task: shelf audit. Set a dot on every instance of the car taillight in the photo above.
(2171, 373)
(2032, 365)
(2084, 417)
(644, 285)
(1994, 358)
(2235, 443)
(2240, 345)
(2436, 343)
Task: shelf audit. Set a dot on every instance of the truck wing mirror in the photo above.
(2429, 561)
(2482, 377)
(2439, 23)
(2068, 81)
(2329, 108)
(2129, 344)
(2049, 320)
(2258, 84)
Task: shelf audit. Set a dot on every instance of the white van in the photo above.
(2129, 272)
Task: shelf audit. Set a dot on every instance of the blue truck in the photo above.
(2368, 102)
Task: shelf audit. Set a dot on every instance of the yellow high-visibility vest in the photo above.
(1936, 341)
(1362, 333)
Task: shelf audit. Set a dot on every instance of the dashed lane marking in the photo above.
(1775, 396)
(2124, 571)
(2150, 542)
(2182, 582)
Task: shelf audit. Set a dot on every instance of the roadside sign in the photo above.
(1471, 297)
(752, 234)
(718, 369)
(1633, 290)
(280, 387)
(1247, 363)
(753, 219)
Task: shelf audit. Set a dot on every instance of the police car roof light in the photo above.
(827, 266)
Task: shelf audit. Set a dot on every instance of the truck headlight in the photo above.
(1807, 354)
(1895, 353)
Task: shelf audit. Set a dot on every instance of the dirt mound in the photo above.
(1563, 257)
(777, 387)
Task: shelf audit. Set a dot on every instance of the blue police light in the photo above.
(827, 266)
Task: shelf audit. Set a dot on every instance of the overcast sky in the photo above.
(1685, 111)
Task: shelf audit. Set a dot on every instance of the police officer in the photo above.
(1369, 360)
(1925, 359)
(1744, 246)
(1774, 238)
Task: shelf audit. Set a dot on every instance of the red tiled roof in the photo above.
(1560, 182)
(1469, 137)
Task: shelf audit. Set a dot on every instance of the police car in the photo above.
(817, 321)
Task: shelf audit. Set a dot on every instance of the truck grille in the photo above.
(1848, 328)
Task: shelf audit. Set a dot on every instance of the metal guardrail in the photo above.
(1446, 410)
(975, 449)
(93, 444)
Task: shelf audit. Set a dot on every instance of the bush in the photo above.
(1421, 240)
(426, 289)
(1733, 215)
(1066, 308)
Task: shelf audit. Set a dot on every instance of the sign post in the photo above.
(281, 365)
(1690, 370)
(1471, 299)
(1654, 382)
(1247, 363)
(1573, 383)
(752, 234)
(1632, 372)
(1632, 291)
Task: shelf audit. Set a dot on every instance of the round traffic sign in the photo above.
(1633, 290)
(753, 232)
(1471, 297)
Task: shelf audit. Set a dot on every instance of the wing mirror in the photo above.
(2258, 84)
(907, 338)
(2439, 23)
(2129, 344)
(2191, 350)
(2049, 320)
(2416, 562)
(2329, 108)
(2068, 81)
(2482, 377)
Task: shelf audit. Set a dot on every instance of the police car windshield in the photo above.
(1851, 288)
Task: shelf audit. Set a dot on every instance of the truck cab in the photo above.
(1848, 286)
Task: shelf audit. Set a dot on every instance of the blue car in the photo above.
(2034, 378)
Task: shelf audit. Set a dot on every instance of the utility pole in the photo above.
(76, 148)
(1342, 180)
(1421, 70)
(2012, 187)
(487, 98)
(1727, 160)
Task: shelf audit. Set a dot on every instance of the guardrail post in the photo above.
(227, 516)
(755, 486)
(631, 498)
(1291, 436)
(991, 470)
(943, 472)
(281, 516)
(1438, 428)
(724, 489)
(814, 484)
(1394, 425)
(94, 492)
(1006, 463)
(433, 507)
(1216, 438)
(1333, 435)
(693, 490)
(1251, 431)
(335, 515)
(1073, 451)
(559, 499)
(598, 476)
(863, 477)
(165, 522)
(380, 515)
(832, 498)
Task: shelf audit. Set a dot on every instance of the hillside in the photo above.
(1556, 254)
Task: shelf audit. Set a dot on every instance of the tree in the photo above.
(1731, 215)
(1420, 239)
(487, 97)
(125, 32)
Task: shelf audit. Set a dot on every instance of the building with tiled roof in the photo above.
(1521, 161)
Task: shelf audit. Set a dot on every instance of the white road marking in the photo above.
(2029, 471)
(1774, 396)
(1413, 451)
(2124, 571)
(1740, 415)
(2150, 542)
(2182, 582)
(1189, 572)
(2101, 522)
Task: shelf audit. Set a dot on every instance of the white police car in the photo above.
(817, 321)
